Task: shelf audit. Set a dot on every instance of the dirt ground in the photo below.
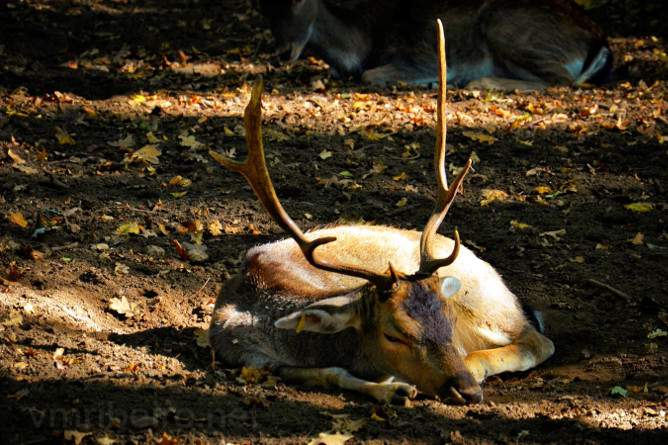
(117, 228)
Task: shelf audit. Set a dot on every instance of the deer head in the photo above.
(406, 321)
(291, 23)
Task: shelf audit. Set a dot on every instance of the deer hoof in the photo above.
(395, 393)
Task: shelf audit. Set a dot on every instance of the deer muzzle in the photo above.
(463, 388)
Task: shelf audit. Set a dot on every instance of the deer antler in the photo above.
(428, 262)
(254, 169)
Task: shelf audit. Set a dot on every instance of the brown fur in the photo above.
(532, 42)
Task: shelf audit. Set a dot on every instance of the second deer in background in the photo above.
(502, 44)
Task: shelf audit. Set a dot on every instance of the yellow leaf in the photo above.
(252, 375)
(215, 228)
(139, 98)
(400, 177)
(18, 219)
(371, 135)
(330, 439)
(491, 195)
(480, 137)
(578, 259)
(519, 225)
(178, 195)
(325, 154)
(130, 228)
(275, 135)
(543, 189)
(227, 132)
(15, 157)
(188, 140)
(639, 239)
(402, 202)
(75, 436)
(180, 181)
(148, 154)
(358, 105)
(151, 138)
(105, 440)
(63, 138)
(640, 207)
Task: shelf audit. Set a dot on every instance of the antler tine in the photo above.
(428, 263)
(254, 169)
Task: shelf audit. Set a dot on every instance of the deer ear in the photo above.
(450, 286)
(327, 316)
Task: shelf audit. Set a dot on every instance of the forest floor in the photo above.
(117, 229)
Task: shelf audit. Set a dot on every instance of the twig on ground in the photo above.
(615, 291)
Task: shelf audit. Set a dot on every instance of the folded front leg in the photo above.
(529, 350)
(388, 391)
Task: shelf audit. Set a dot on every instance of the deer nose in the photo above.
(464, 388)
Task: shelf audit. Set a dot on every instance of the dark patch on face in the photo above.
(424, 306)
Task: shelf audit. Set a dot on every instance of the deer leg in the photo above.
(400, 72)
(394, 392)
(529, 350)
(503, 84)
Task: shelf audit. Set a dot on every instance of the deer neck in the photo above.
(341, 39)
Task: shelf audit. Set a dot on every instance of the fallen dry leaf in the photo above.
(330, 439)
(122, 306)
(148, 154)
(75, 436)
(188, 140)
(325, 154)
(342, 423)
(371, 135)
(180, 181)
(640, 207)
(554, 234)
(15, 157)
(129, 228)
(17, 219)
(543, 189)
(480, 137)
(215, 228)
(13, 319)
(63, 138)
(491, 195)
(105, 440)
(638, 239)
(519, 225)
(125, 143)
(252, 375)
(166, 439)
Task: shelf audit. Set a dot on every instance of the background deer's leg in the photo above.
(529, 350)
(395, 392)
(503, 84)
(417, 69)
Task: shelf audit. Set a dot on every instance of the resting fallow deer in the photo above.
(351, 304)
(502, 44)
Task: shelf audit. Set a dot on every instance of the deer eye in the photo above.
(393, 339)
